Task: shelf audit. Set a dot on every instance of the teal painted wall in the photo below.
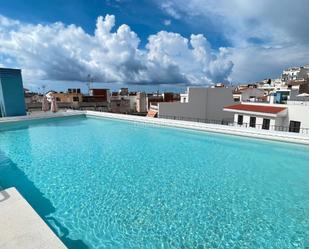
(12, 100)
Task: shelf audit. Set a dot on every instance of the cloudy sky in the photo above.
(152, 43)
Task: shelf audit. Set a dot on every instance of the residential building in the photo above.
(289, 91)
(12, 101)
(281, 96)
(70, 96)
(255, 115)
(282, 117)
(74, 90)
(98, 95)
(298, 117)
(141, 102)
(295, 73)
(132, 99)
(32, 97)
(236, 96)
(123, 91)
(302, 86)
(169, 97)
(251, 94)
(120, 104)
(98, 99)
(270, 84)
(155, 98)
(184, 98)
(200, 104)
(218, 85)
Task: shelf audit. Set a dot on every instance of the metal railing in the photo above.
(244, 125)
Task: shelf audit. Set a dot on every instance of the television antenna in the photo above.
(43, 89)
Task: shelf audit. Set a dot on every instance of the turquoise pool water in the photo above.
(102, 183)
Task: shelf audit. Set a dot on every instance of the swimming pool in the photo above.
(102, 183)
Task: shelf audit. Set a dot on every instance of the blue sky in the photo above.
(144, 17)
(166, 44)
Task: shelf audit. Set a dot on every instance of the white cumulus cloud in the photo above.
(265, 36)
(66, 52)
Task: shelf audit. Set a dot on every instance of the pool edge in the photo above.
(21, 226)
(41, 116)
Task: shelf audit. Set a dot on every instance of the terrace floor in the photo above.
(21, 226)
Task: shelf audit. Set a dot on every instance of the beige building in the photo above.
(141, 102)
(295, 73)
(132, 98)
(281, 117)
(67, 97)
(120, 104)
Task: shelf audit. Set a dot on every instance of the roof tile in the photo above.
(256, 108)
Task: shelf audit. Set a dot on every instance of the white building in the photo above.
(251, 94)
(293, 116)
(200, 104)
(184, 98)
(295, 73)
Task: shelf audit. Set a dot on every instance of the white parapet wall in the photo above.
(41, 115)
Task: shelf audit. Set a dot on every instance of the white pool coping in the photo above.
(41, 115)
(287, 137)
(21, 227)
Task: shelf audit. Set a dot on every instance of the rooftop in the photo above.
(256, 108)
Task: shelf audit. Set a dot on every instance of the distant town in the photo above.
(271, 104)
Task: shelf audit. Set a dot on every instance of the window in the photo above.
(252, 122)
(236, 99)
(240, 119)
(75, 99)
(294, 126)
(266, 123)
(58, 99)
